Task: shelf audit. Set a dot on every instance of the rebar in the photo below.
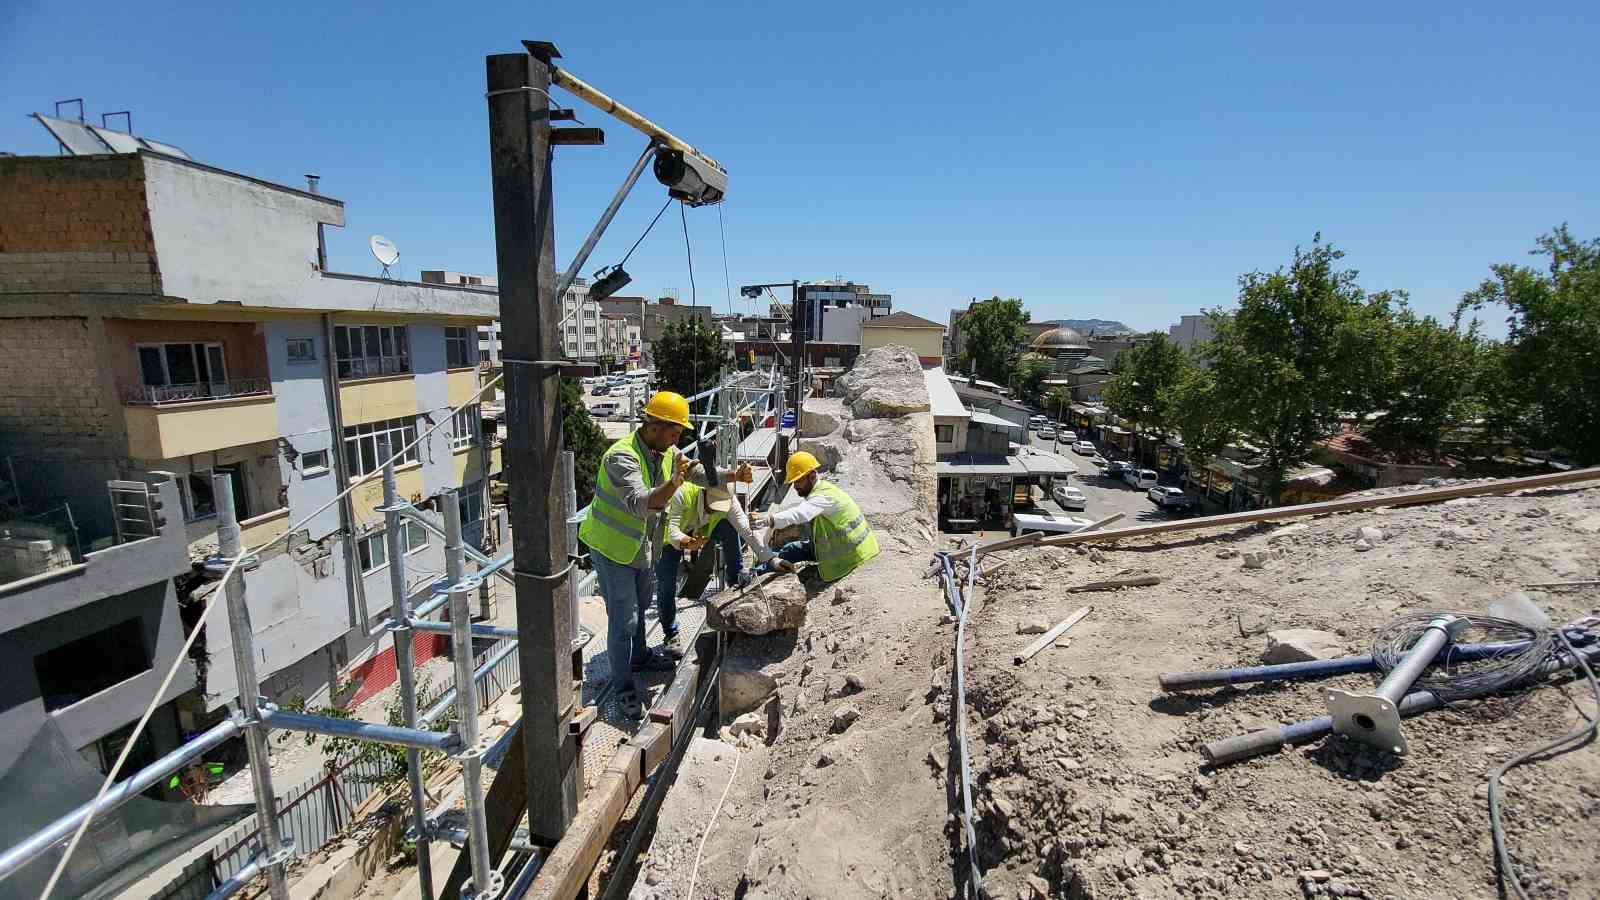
(401, 630)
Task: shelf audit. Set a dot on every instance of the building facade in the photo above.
(1190, 330)
(163, 315)
(924, 337)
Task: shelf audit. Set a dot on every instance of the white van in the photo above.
(1143, 479)
(1027, 523)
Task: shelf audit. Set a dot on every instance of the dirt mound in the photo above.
(1089, 781)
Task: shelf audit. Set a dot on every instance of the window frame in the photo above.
(361, 439)
(948, 429)
(468, 496)
(371, 351)
(364, 555)
(471, 417)
(197, 360)
(462, 338)
(296, 359)
(307, 470)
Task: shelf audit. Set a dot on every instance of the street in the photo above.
(1106, 495)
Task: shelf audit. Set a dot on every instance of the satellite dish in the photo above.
(384, 249)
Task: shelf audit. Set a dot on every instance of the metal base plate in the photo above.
(1367, 718)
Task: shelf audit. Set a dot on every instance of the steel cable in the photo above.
(1451, 680)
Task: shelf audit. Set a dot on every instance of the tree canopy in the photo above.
(1142, 390)
(1306, 349)
(1547, 376)
(690, 357)
(583, 437)
(1434, 382)
(1030, 375)
(992, 331)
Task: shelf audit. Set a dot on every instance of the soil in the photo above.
(1088, 781)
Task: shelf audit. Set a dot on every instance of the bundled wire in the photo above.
(1460, 680)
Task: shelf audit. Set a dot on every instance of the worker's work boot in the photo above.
(655, 661)
(673, 644)
(782, 565)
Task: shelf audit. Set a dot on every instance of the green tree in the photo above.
(1306, 349)
(581, 435)
(1056, 402)
(1030, 375)
(1548, 372)
(993, 330)
(690, 357)
(1200, 417)
(1433, 385)
(1141, 391)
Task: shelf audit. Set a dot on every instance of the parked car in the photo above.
(1141, 478)
(1099, 460)
(1084, 447)
(1067, 435)
(1069, 497)
(1047, 432)
(1026, 523)
(601, 390)
(1173, 500)
(603, 410)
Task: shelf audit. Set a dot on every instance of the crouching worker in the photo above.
(695, 517)
(840, 540)
(638, 476)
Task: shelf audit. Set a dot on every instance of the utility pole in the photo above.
(519, 158)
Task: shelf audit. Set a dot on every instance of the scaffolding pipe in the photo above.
(448, 698)
(443, 742)
(570, 510)
(486, 883)
(25, 852)
(274, 848)
(571, 275)
(237, 881)
(492, 631)
(403, 662)
(477, 556)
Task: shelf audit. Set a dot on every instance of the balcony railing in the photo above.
(161, 395)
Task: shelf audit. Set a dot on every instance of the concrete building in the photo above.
(163, 315)
(921, 335)
(87, 637)
(1190, 330)
(488, 335)
(815, 299)
(651, 319)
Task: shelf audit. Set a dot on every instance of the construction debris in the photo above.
(1032, 650)
(1291, 645)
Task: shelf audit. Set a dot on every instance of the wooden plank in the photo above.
(675, 706)
(566, 870)
(655, 741)
(628, 762)
(1431, 495)
(1032, 650)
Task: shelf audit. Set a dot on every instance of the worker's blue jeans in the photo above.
(626, 591)
(672, 559)
(794, 551)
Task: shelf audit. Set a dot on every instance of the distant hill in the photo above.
(1098, 326)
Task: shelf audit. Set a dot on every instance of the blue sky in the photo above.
(1123, 163)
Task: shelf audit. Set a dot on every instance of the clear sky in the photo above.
(1125, 163)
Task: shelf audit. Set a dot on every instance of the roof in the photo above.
(942, 397)
(901, 320)
(983, 418)
(1040, 462)
(972, 393)
(1061, 338)
(967, 464)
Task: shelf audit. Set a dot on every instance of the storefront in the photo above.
(976, 496)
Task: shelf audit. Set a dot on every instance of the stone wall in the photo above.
(54, 396)
(75, 224)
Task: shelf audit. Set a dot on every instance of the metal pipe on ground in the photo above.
(1373, 717)
(1431, 495)
(1255, 743)
(37, 843)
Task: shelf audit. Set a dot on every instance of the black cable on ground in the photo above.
(1460, 680)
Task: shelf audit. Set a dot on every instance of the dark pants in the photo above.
(794, 551)
(672, 558)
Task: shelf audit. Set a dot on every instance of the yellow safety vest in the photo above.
(841, 537)
(691, 500)
(609, 528)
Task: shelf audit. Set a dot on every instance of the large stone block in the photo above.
(886, 382)
(1290, 645)
(762, 608)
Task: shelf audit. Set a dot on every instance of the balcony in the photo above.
(172, 421)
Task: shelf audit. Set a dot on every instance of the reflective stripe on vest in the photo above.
(609, 529)
(841, 537)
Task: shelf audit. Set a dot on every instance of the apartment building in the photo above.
(163, 315)
(88, 630)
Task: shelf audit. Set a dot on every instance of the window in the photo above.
(416, 538)
(471, 499)
(167, 365)
(457, 348)
(198, 502)
(944, 434)
(362, 444)
(588, 329)
(464, 428)
(66, 674)
(365, 350)
(301, 350)
(313, 462)
(374, 552)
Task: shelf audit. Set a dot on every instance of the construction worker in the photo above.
(840, 540)
(695, 516)
(638, 476)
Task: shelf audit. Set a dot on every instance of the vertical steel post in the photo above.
(400, 628)
(231, 545)
(524, 220)
(486, 882)
(569, 509)
(797, 347)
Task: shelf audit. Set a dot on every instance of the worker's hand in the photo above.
(744, 473)
(758, 519)
(695, 543)
(680, 467)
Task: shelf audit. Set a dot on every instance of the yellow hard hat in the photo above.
(799, 464)
(669, 407)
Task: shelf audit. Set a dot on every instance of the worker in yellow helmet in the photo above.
(840, 540)
(638, 476)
